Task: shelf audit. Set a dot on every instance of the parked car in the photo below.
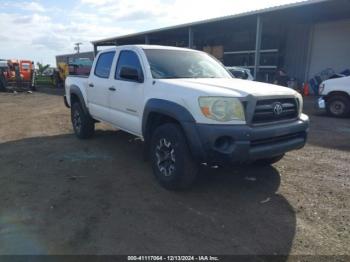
(3, 74)
(187, 109)
(240, 72)
(335, 96)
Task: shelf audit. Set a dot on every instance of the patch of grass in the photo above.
(44, 80)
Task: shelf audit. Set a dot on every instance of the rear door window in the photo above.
(104, 64)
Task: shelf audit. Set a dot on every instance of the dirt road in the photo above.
(61, 195)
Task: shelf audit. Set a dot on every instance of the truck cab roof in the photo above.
(161, 47)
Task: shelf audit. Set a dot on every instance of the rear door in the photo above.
(127, 100)
(98, 86)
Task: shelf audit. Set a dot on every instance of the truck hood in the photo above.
(231, 87)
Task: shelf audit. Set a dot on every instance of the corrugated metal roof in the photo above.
(218, 19)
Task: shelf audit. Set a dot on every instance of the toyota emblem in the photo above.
(277, 109)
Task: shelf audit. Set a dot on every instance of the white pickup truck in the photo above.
(335, 96)
(187, 109)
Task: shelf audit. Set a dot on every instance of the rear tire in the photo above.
(172, 162)
(83, 124)
(268, 161)
(338, 106)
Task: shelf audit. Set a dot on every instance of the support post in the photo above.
(95, 50)
(309, 52)
(147, 42)
(190, 37)
(259, 27)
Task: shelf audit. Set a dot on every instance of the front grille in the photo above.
(266, 110)
(277, 139)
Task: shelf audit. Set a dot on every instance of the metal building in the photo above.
(304, 38)
(70, 58)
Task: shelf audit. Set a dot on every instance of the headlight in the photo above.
(321, 88)
(222, 109)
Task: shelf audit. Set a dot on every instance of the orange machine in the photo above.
(19, 73)
(26, 68)
(20, 70)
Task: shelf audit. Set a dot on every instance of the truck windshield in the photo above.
(169, 64)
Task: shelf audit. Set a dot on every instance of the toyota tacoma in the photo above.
(187, 109)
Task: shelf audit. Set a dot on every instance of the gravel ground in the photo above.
(61, 195)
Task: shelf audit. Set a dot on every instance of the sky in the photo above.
(41, 29)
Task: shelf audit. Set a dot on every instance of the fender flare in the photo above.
(167, 108)
(75, 90)
(337, 92)
(181, 115)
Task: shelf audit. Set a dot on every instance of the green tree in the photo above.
(42, 68)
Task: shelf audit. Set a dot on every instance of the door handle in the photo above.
(91, 85)
(112, 88)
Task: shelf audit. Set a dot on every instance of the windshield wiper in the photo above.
(186, 77)
(170, 77)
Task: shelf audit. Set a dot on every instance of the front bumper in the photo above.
(220, 144)
(321, 103)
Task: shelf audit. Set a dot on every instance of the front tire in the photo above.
(338, 106)
(172, 162)
(268, 161)
(83, 124)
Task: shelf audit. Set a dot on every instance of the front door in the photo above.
(127, 100)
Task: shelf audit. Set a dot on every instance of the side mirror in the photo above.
(130, 73)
